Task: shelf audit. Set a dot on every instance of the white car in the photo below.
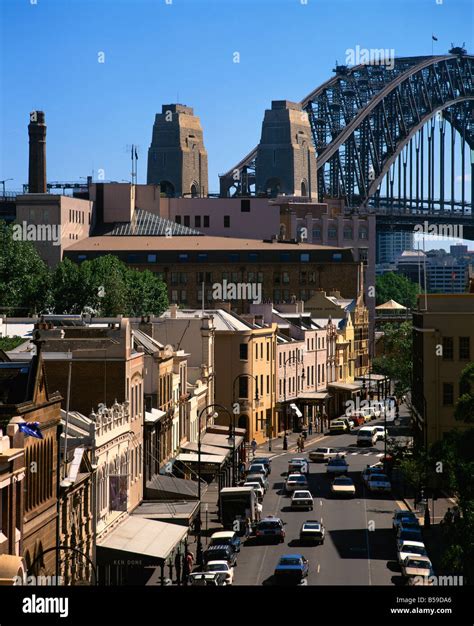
(411, 548)
(379, 483)
(380, 432)
(343, 486)
(337, 466)
(257, 488)
(324, 454)
(416, 566)
(370, 471)
(302, 500)
(222, 567)
(296, 481)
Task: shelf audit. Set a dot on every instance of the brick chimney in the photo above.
(37, 159)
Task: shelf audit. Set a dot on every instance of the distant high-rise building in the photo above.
(37, 157)
(391, 244)
(286, 158)
(177, 158)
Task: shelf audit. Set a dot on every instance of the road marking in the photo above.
(379, 455)
(367, 454)
(319, 567)
(320, 503)
(354, 453)
(367, 539)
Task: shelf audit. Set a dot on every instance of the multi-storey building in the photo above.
(443, 339)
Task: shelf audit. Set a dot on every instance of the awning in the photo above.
(314, 395)
(296, 409)
(221, 441)
(144, 537)
(175, 511)
(170, 488)
(352, 387)
(191, 457)
(217, 429)
(153, 416)
(191, 446)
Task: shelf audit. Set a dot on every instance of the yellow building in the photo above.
(443, 339)
(245, 373)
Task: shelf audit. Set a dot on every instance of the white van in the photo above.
(367, 436)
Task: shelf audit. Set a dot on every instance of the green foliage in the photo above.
(104, 286)
(10, 343)
(464, 410)
(391, 286)
(396, 362)
(24, 276)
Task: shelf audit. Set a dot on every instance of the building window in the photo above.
(197, 221)
(234, 257)
(261, 350)
(182, 258)
(285, 278)
(268, 351)
(268, 385)
(226, 221)
(243, 387)
(151, 258)
(337, 256)
(177, 219)
(448, 394)
(245, 206)
(253, 257)
(304, 257)
(206, 221)
(448, 348)
(285, 257)
(464, 349)
(348, 233)
(187, 220)
(362, 234)
(174, 296)
(316, 233)
(244, 351)
(332, 233)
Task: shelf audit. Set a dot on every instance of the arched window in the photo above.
(303, 188)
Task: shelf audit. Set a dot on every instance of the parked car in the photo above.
(258, 478)
(226, 538)
(343, 486)
(399, 515)
(270, 527)
(337, 466)
(379, 483)
(357, 417)
(367, 436)
(312, 530)
(220, 552)
(264, 460)
(411, 548)
(257, 468)
(291, 568)
(370, 471)
(298, 465)
(412, 534)
(207, 579)
(221, 567)
(259, 490)
(324, 454)
(416, 566)
(338, 426)
(296, 481)
(302, 500)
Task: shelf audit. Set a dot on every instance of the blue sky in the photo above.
(157, 53)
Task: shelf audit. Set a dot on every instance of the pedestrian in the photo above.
(197, 527)
(189, 561)
(253, 445)
(448, 516)
(302, 444)
(456, 514)
(248, 527)
(259, 508)
(242, 468)
(177, 564)
(298, 444)
(285, 442)
(310, 428)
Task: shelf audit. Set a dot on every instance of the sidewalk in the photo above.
(277, 444)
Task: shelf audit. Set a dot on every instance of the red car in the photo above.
(357, 418)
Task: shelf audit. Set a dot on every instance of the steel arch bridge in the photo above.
(371, 122)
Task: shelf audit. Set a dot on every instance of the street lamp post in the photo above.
(297, 359)
(199, 519)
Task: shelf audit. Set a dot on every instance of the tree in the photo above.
(464, 410)
(68, 290)
(10, 343)
(146, 294)
(24, 276)
(391, 286)
(396, 362)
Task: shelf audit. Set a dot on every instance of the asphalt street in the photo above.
(360, 546)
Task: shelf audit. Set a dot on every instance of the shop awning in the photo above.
(223, 430)
(314, 395)
(191, 446)
(352, 387)
(151, 417)
(296, 410)
(175, 512)
(144, 537)
(169, 487)
(221, 441)
(209, 459)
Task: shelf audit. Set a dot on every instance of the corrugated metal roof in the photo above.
(148, 224)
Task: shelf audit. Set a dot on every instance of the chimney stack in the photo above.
(37, 162)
